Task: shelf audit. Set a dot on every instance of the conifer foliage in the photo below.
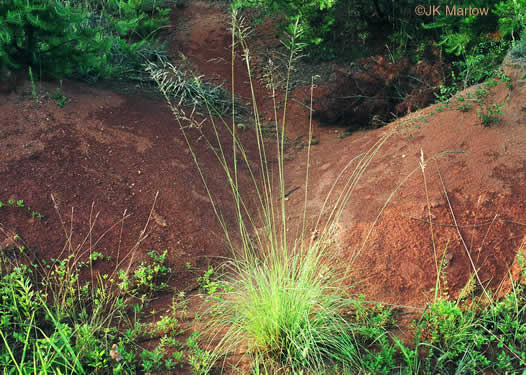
(46, 35)
(69, 39)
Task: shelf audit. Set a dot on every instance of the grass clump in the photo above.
(293, 317)
(190, 90)
(281, 297)
(286, 308)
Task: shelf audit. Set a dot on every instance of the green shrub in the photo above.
(138, 19)
(482, 62)
(315, 17)
(333, 28)
(512, 16)
(44, 34)
(62, 39)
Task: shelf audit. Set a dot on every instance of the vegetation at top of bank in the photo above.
(475, 43)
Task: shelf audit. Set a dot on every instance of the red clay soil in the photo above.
(203, 36)
(483, 177)
(116, 152)
(119, 151)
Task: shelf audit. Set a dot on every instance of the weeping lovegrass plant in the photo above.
(284, 297)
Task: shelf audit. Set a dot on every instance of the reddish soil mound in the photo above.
(116, 152)
(483, 192)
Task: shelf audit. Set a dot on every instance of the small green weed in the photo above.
(490, 115)
(199, 359)
(491, 83)
(167, 325)
(462, 105)
(19, 204)
(152, 360)
(207, 282)
(445, 93)
(148, 278)
(151, 276)
(33, 86)
(59, 98)
(441, 107)
(481, 93)
(95, 256)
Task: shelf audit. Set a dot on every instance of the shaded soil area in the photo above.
(374, 90)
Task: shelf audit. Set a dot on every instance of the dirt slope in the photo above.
(483, 179)
(116, 152)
